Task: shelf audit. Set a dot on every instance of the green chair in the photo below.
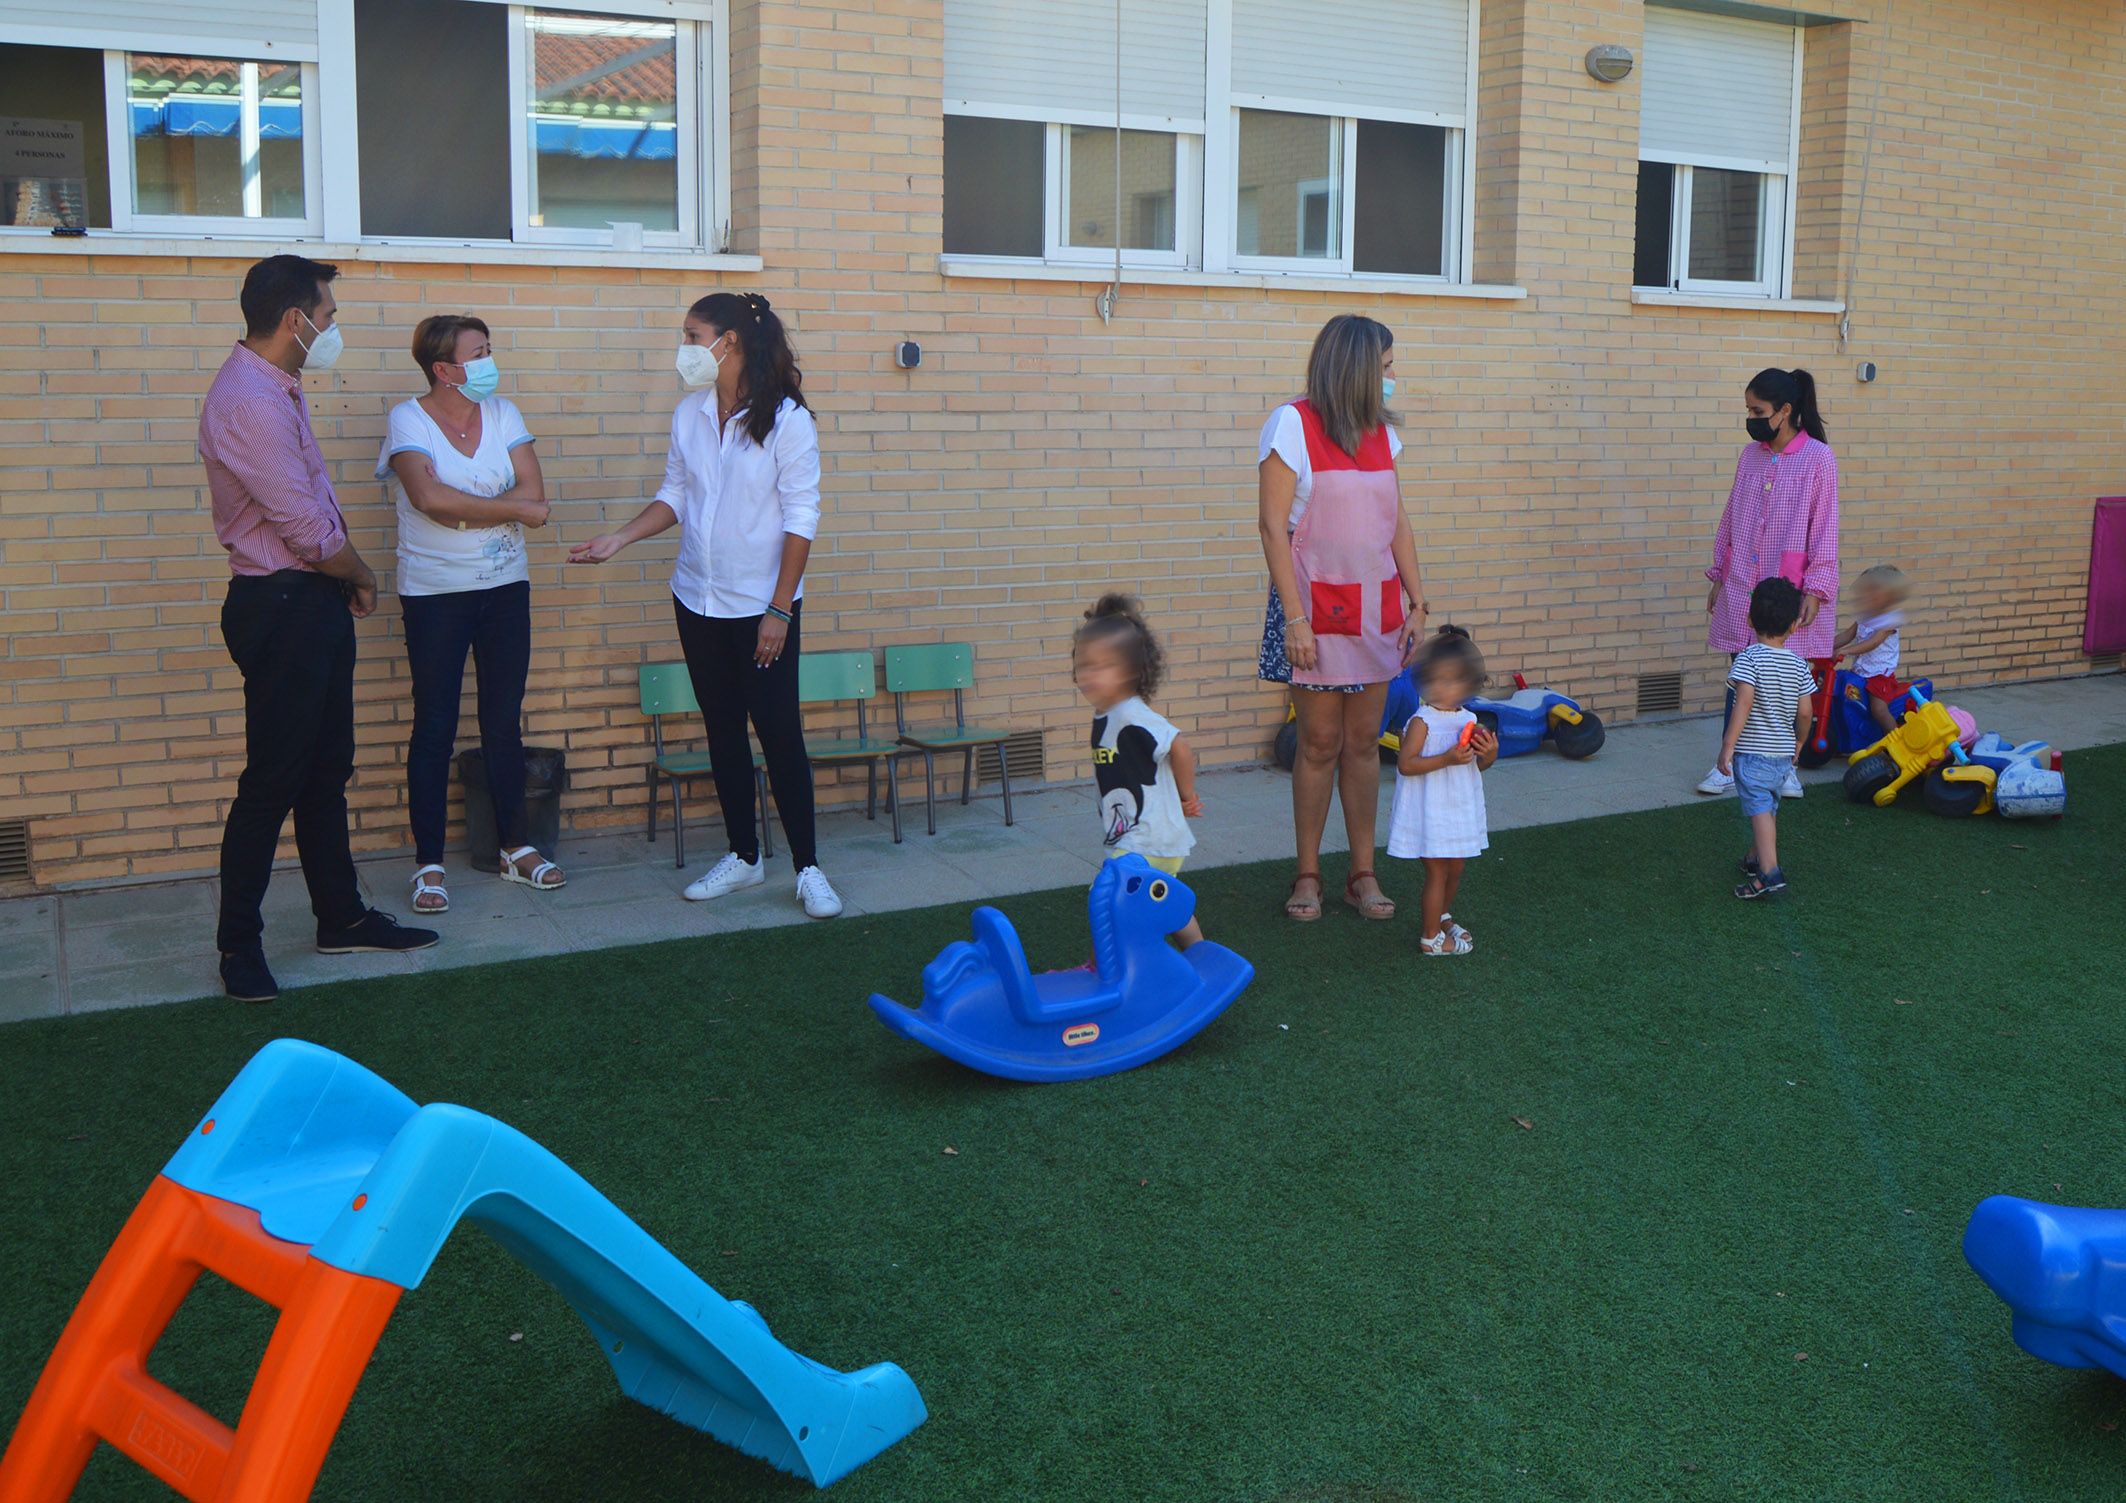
(933, 670)
(828, 677)
(666, 690)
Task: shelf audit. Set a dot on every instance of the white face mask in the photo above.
(698, 364)
(323, 352)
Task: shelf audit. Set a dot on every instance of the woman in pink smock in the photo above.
(1781, 518)
(1345, 600)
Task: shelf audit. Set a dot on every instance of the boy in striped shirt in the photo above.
(1766, 728)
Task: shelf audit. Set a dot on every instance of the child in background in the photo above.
(1438, 814)
(1871, 641)
(1765, 729)
(1145, 771)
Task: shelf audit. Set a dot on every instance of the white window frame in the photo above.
(118, 141)
(1188, 186)
(331, 149)
(692, 233)
(1775, 209)
(1343, 166)
(1774, 233)
(1205, 216)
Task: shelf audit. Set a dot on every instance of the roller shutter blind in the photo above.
(1397, 55)
(1716, 90)
(1055, 59)
(192, 28)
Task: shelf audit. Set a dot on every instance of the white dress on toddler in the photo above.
(1438, 814)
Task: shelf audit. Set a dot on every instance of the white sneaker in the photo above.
(1716, 781)
(1791, 788)
(727, 875)
(818, 894)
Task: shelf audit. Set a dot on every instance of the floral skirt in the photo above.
(1271, 662)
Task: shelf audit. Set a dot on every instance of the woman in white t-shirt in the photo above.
(466, 479)
(1345, 601)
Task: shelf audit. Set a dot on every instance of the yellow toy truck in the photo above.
(1922, 739)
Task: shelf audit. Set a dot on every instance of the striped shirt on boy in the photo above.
(1781, 681)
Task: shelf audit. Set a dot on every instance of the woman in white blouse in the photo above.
(742, 481)
(466, 478)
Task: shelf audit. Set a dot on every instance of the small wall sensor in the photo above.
(1867, 371)
(908, 355)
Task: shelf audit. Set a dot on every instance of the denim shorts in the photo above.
(1758, 779)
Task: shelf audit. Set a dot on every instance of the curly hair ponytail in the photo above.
(1116, 619)
(769, 364)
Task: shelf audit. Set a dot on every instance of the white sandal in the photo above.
(422, 887)
(1455, 931)
(1445, 943)
(538, 873)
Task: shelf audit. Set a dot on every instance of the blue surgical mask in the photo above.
(1387, 388)
(481, 378)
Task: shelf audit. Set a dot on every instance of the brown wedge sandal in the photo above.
(1304, 910)
(1379, 906)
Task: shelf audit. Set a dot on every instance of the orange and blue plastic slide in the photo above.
(318, 1187)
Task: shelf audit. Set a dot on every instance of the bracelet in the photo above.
(780, 614)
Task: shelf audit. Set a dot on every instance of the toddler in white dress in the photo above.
(1438, 814)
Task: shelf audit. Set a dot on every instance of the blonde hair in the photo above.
(1343, 378)
(435, 340)
(1887, 578)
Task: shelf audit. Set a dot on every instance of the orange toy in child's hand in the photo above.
(1468, 734)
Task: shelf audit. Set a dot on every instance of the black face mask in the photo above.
(1761, 429)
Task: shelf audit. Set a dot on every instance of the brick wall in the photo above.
(1567, 453)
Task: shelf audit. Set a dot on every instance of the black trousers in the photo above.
(291, 635)
(495, 626)
(731, 688)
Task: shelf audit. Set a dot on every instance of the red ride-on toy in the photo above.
(1842, 722)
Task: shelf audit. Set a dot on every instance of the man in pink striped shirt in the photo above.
(296, 586)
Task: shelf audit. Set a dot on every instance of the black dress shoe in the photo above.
(244, 977)
(374, 931)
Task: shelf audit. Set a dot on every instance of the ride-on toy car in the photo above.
(1521, 722)
(2022, 782)
(1925, 737)
(1842, 722)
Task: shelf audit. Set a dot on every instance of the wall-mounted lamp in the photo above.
(1609, 63)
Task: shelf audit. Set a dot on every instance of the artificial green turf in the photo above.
(1312, 1255)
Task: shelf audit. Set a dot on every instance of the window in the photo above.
(215, 138)
(458, 120)
(1717, 144)
(603, 138)
(1291, 179)
(415, 62)
(1037, 164)
(995, 205)
(1331, 144)
(52, 142)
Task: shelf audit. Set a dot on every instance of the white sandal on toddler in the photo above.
(1455, 931)
(1445, 943)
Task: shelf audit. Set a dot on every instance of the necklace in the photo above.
(464, 434)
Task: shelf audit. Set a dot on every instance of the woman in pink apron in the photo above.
(1346, 605)
(1781, 518)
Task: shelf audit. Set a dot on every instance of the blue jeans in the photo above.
(1758, 779)
(495, 624)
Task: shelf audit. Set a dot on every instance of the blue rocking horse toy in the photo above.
(1141, 997)
(2059, 1271)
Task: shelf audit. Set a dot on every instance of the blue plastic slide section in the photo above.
(331, 1155)
(2061, 1270)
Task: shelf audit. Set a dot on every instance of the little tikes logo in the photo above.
(1080, 1033)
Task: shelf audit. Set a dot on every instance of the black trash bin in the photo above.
(545, 780)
